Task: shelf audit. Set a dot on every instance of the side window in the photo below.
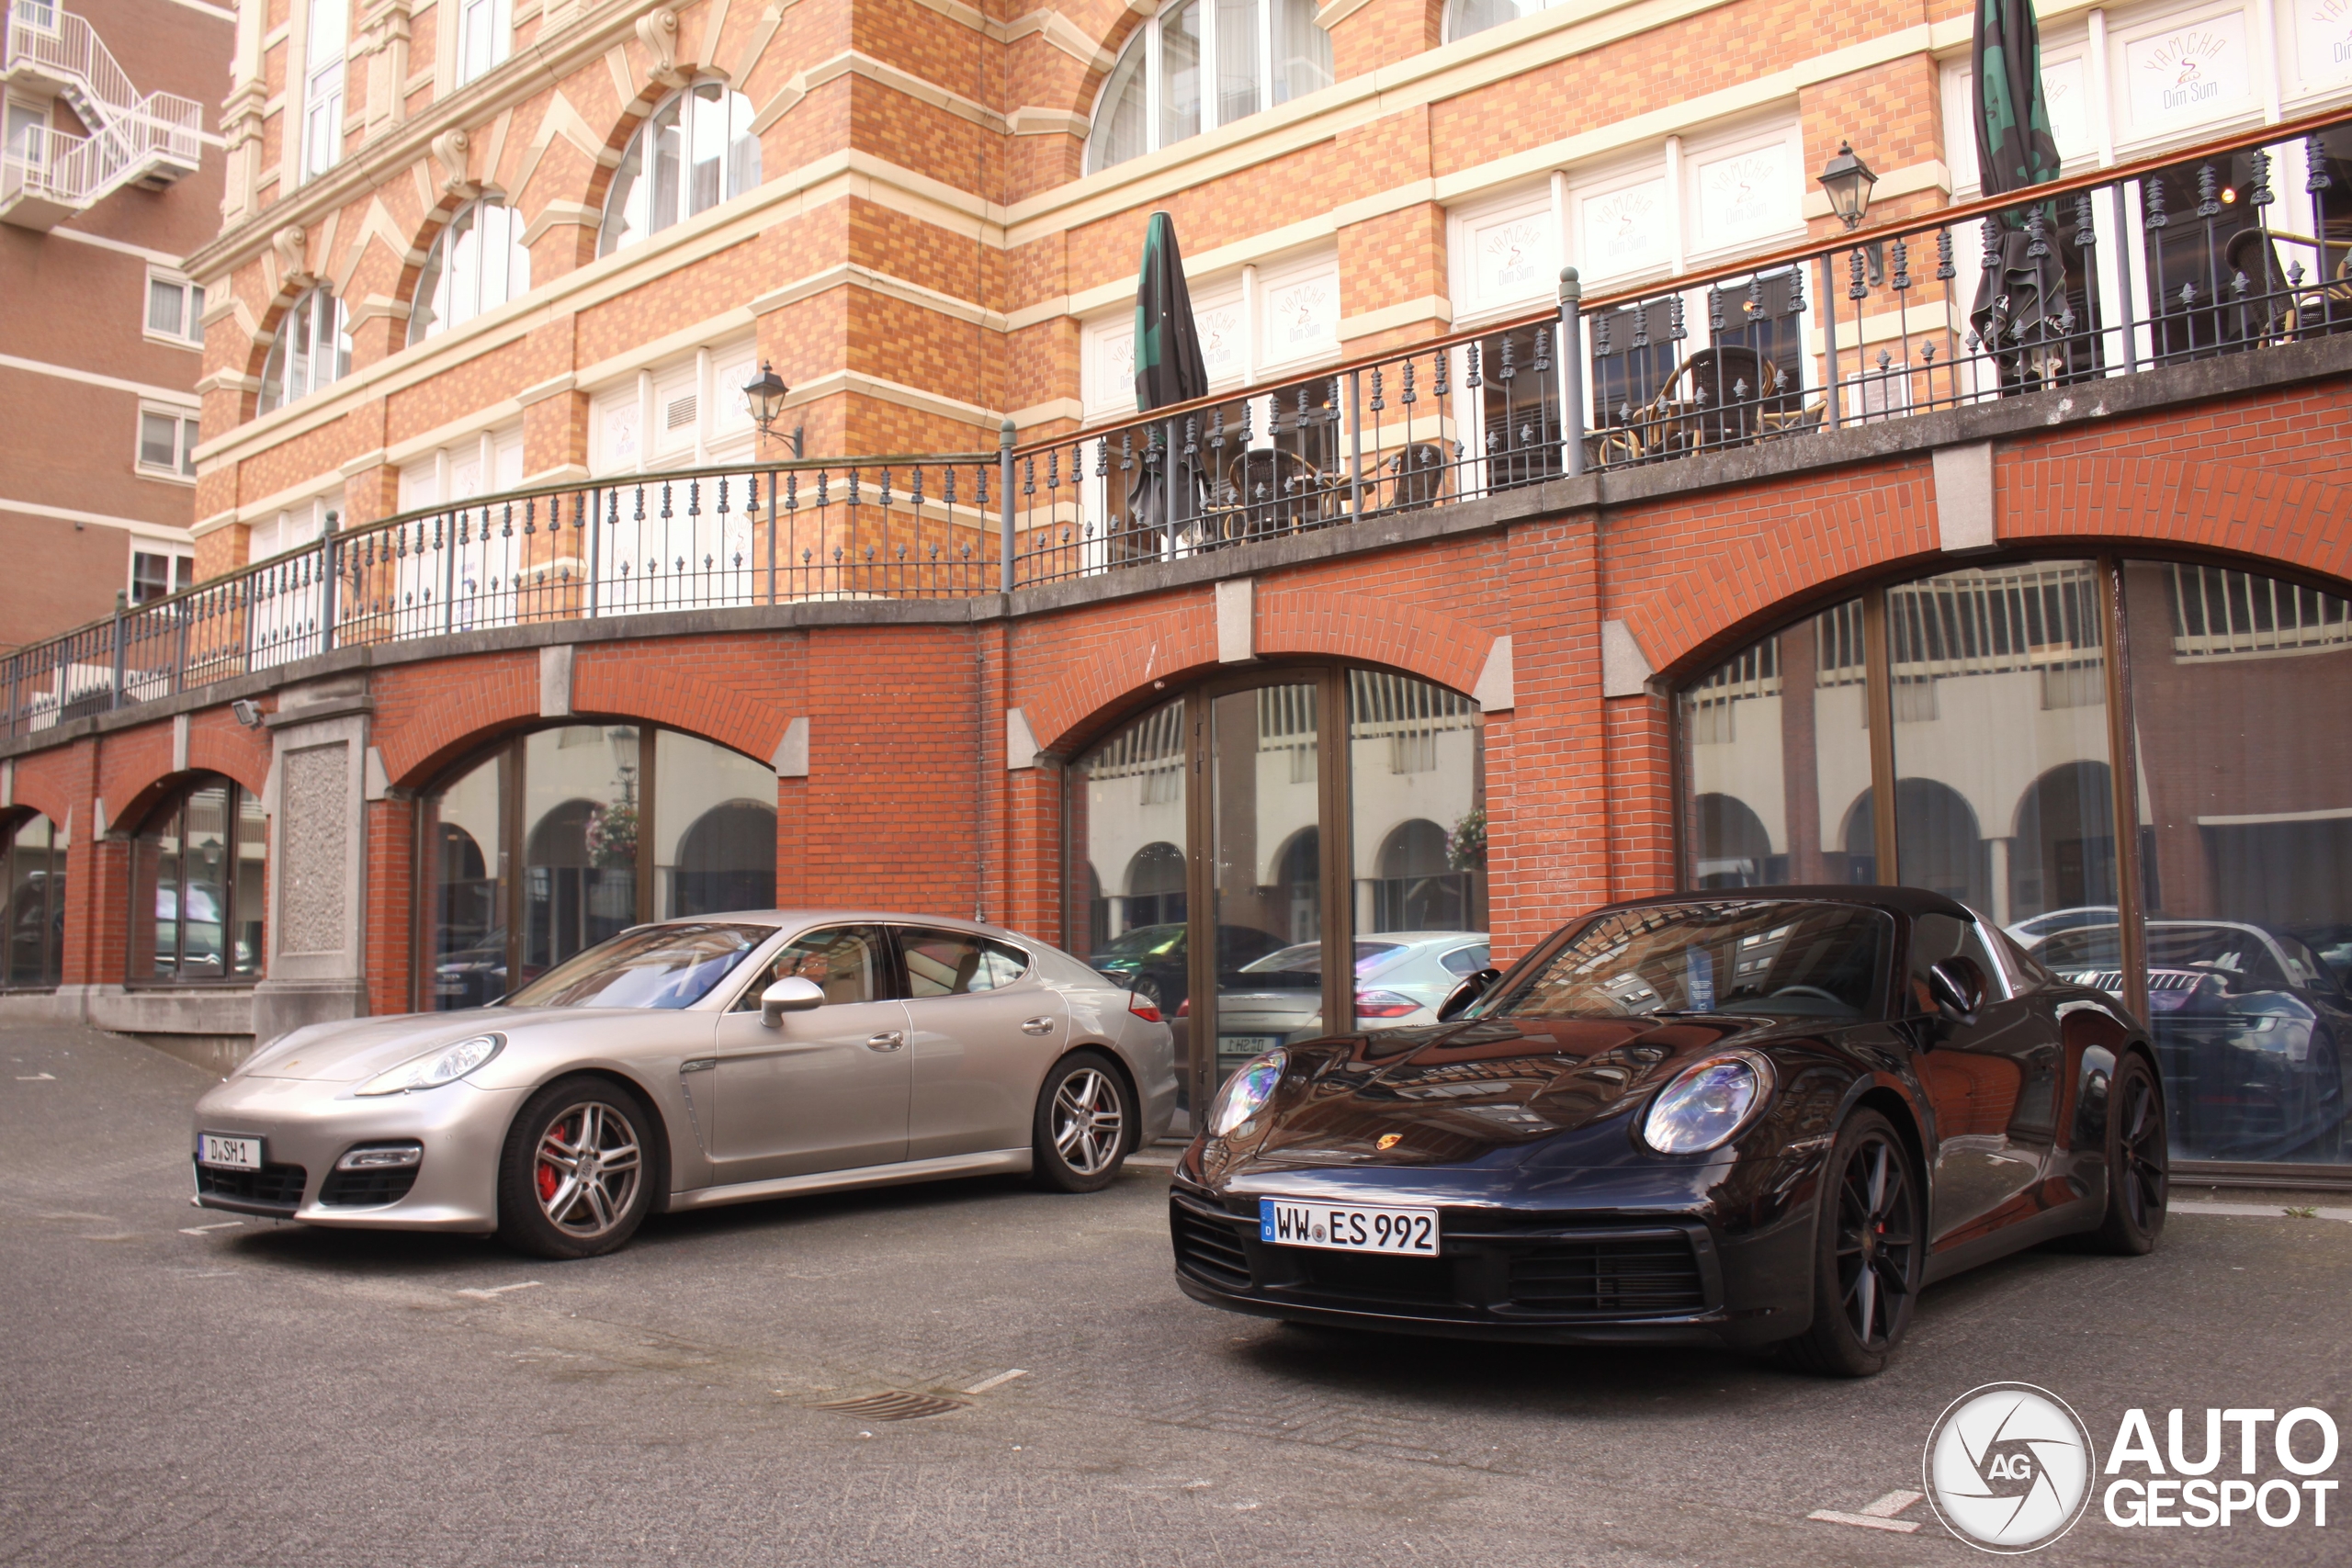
(955, 964)
(846, 961)
(1465, 961)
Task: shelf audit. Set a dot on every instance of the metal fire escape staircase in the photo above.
(48, 175)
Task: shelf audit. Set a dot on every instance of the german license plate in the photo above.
(1246, 1045)
(229, 1154)
(1348, 1227)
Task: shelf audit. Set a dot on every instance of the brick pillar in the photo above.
(1366, 34)
(1393, 268)
(1641, 796)
(389, 902)
(1550, 861)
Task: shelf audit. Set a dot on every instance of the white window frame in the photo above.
(323, 90)
(1147, 39)
(690, 107)
(181, 469)
(191, 309)
(174, 559)
(719, 429)
(499, 39)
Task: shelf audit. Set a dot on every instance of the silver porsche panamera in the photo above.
(696, 1061)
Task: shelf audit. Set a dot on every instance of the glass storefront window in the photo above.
(1129, 837)
(1416, 804)
(1217, 865)
(2246, 840)
(714, 829)
(1266, 866)
(1778, 773)
(2004, 795)
(196, 874)
(2222, 912)
(32, 880)
(617, 825)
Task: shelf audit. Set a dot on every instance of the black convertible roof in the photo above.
(1908, 902)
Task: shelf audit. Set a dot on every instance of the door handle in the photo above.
(889, 1039)
(1038, 1026)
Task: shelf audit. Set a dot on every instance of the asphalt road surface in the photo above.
(179, 1390)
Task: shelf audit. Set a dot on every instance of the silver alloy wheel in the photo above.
(587, 1169)
(1088, 1121)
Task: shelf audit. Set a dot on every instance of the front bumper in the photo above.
(1597, 1278)
(305, 1127)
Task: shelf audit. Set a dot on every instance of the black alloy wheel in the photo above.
(2139, 1162)
(575, 1179)
(1868, 1253)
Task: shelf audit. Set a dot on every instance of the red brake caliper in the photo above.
(549, 1181)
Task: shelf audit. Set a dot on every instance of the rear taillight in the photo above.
(1143, 1008)
(1184, 1008)
(1383, 1004)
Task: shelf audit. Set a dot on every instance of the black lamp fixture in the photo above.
(766, 396)
(1849, 181)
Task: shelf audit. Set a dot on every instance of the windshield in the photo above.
(658, 966)
(2236, 956)
(1307, 958)
(1784, 960)
(1144, 942)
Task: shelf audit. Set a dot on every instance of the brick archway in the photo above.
(1070, 699)
(1824, 535)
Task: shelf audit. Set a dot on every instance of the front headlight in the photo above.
(1247, 1092)
(1706, 1104)
(444, 1064)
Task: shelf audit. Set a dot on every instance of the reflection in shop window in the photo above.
(32, 902)
(197, 873)
(617, 825)
(1417, 796)
(2245, 839)
(1129, 837)
(1778, 761)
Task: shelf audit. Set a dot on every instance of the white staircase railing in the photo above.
(132, 136)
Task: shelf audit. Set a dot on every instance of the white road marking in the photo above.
(497, 1291)
(1878, 1516)
(215, 1225)
(2257, 1211)
(37, 1077)
(986, 1383)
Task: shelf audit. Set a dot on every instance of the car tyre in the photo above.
(575, 1179)
(1869, 1249)
(2139, 1168)
(1084, 1125)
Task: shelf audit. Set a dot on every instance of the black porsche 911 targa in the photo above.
(1759, 1118)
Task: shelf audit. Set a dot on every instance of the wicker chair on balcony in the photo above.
(1718, 397)
(1275, 491)
(1412, 477)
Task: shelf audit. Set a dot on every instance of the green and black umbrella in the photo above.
(2019, 298)
(1169, 370)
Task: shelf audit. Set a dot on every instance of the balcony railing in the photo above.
(2169, 260)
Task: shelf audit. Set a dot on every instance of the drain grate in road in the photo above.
(895, 1405)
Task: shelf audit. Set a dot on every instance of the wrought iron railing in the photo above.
(2171, 259)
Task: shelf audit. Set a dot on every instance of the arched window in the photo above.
(1463, 18)
(197, 871)
(2194, 861)
(477, 264)
(616, 824)
(1257, 53)
(32, 902)
(693, 152)
(313, 350)
(1207, 836)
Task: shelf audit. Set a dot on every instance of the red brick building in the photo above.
(1412, 638)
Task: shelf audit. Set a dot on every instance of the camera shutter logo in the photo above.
(2009, 1467)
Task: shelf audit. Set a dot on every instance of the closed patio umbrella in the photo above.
(1169, 370)
(2019, 298)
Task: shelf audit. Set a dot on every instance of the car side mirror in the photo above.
(1469, 991)
(1958, 987)
(792, 994)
